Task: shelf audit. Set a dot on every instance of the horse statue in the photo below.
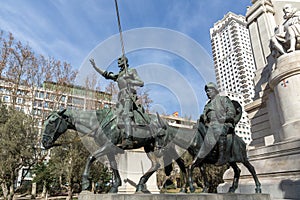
(102, 127)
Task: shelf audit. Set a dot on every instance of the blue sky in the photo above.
(75, 30)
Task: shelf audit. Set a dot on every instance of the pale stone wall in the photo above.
(262, 18)
(285, 82)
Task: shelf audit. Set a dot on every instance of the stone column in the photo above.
(285, 82)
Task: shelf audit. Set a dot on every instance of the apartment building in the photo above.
(39, 101)
(233, 57)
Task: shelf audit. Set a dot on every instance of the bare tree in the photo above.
(5, 52)
(112, 89)
(61, 82)
(16, 58)
(144, 99)
(91, 87)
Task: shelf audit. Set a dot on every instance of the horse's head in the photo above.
(55, 125)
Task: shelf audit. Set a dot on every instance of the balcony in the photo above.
(242, 72)
(246, 96)
(239, 53)
(242, 76)
(236, 43)
(235, 39)
(244, 91)
(237, 49)
(235, 34)
(233, 31)
(243, 81)
(241, 67)
(244, 85)
(241, 62)
(239, 58)
(233, 26)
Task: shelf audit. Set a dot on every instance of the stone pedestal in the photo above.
(278, 170)
(90, 196)
(132, 165)
(285, 82)
(278, 164)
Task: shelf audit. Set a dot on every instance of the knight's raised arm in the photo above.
(92, 61)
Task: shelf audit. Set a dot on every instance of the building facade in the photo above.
(233, 57)
(40, 101)
(234, 64)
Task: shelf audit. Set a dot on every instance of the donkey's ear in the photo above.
(61, 112)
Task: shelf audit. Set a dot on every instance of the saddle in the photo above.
(235, 150)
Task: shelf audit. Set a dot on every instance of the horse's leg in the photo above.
(180, 163)
(154, 167)
(204, 175)
(116, 175)
(253, 173)
(86, 173)
(236, 178)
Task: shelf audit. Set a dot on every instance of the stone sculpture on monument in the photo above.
(287, 35)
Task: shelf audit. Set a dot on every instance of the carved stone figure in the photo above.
(127, 80)
(287, 35)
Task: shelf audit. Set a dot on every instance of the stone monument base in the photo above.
(91, 196)
(278, 170)
(133, 164)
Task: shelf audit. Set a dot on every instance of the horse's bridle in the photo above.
(56, 128)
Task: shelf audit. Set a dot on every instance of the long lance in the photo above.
(121, 37)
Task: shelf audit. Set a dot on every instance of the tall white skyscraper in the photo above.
(234, 64)
(232, 54)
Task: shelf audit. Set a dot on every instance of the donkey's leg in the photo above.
(253, 173)
(180, 163)
(86, 173)
(236, 178)
(116, 175)
(172, 154)
(206, 182)
(154, 167)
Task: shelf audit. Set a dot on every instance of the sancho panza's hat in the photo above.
(211, 85)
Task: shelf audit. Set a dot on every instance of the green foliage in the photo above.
(213, 173)
(68, 161)
(64, 170)
(42, 173)
(18, 140)
(101, 176)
